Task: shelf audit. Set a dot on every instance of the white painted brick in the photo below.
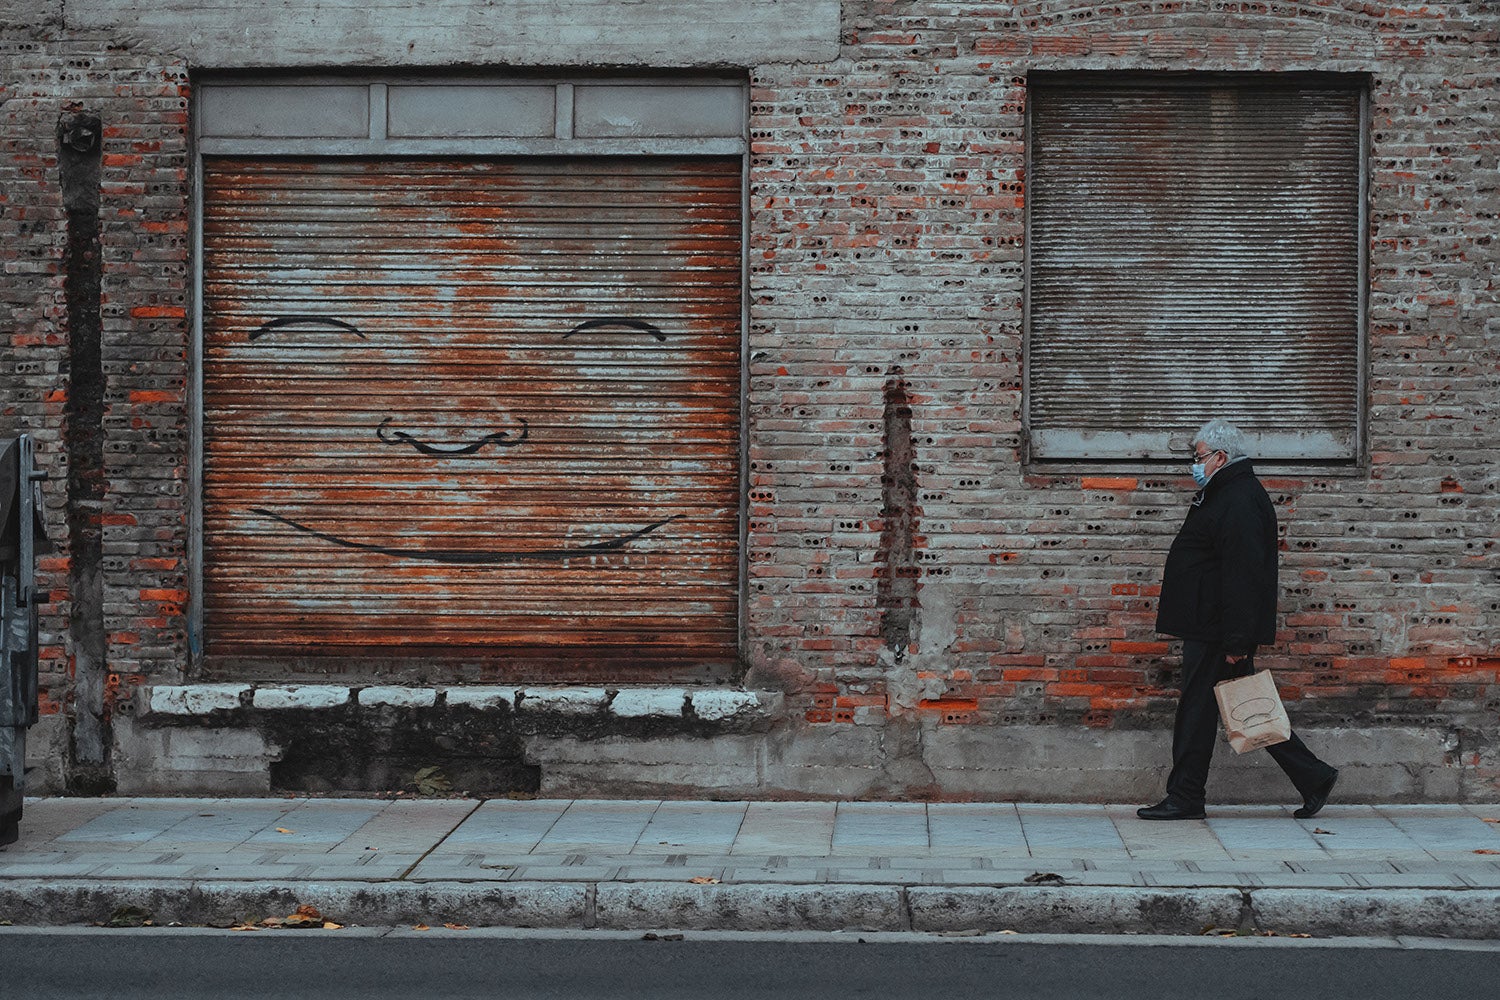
(634, 703)
(715, 706)
(398, 697)
(302, 696)
(482, 697)
(194, 699)
(569, 701)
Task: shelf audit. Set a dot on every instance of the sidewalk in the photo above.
(1429, 870)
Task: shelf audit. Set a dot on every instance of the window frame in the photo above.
(1359, 85)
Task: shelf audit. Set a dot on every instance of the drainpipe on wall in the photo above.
(79, 161)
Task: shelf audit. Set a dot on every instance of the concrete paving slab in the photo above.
(221, 821)
(775, 875)
(687, 826)
(664, 873)
(1260, 835)
(860, 827)
(324, 822)
(1480, 880)
(1151, 839)
(967, 827)
(1454, 829)
(1393, 881)
(593, 824)
(1203, 879)
(131, 823)
(502, 825)
(409, 824)
(44, 869)
(1056, 828)
(804, 828)
(565, 873)
(46, 819)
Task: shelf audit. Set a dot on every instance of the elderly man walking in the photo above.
(1218, 595)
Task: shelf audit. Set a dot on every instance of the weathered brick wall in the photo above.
(887, 225)
(141, 101)
(931, 605)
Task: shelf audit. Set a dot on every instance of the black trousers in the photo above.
(1197, 729)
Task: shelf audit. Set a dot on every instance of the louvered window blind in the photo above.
(1194, 250)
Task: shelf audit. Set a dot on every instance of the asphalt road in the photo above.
(159, 963)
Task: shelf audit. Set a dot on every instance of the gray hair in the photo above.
(1221, 435)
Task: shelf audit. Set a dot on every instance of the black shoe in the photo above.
(1168, 809)
(1312, 803)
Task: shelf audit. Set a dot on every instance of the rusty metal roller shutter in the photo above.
(1194, 252)
(472, 407)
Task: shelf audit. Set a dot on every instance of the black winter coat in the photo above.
(1219, 584)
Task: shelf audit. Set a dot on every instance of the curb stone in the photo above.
(1075, 910)
(1463, 913)
(1459, 913)
(750, 907)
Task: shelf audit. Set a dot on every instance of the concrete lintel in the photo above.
(193, 699)
(484, 697)
(398, 697)
(302, 696)
(565, 700)
(634, 703)
(320, 33)
(718, 705)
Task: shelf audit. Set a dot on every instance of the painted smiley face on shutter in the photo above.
(389, 432)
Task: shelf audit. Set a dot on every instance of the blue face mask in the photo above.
(1200, 474)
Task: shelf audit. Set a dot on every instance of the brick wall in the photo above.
(887, 225)
(141, 100)
(907, 572)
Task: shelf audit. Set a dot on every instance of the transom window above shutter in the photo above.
(1194, 251)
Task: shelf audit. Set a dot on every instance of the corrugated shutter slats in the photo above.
(472, 406)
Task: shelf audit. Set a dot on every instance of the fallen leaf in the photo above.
(329, 925)
(457, 927)
(1491, 819)
(1044, 878)
(305, 916)
(1487, 850)
(1010, 932)
(420, 927)
(282, 829)
(272, 922)
(1326, 833)
(704, 880)
(129, 916)
(432, 781)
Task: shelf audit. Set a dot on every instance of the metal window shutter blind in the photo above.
(472, 407)
(1194, 252)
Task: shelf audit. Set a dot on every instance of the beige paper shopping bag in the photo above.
(1252, 712)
